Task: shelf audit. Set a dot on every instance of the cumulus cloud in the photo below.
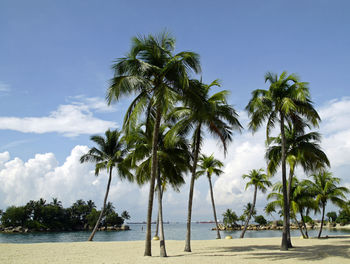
(70, 120)
(247, 152)
(42, 176)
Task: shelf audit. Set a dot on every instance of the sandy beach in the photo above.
(248, 250)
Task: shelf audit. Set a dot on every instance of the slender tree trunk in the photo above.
(250, 212)
(214, 211)
(190, 198)
(91, 237)
(160, 217)
(322, 220)
(284, 244)
(300, 227)
(304, 225)
(289, 193)
(148, 249)
(157, 225)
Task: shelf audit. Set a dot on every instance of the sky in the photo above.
(55, 67)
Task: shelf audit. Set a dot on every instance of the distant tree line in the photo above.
(42, 216)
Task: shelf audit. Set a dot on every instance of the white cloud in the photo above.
(69, 120)
(4, 87)
(42, 176)
(247, 152)
(95, 103)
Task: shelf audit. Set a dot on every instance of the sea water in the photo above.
(172, 231)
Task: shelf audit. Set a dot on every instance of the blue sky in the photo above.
(55, 59)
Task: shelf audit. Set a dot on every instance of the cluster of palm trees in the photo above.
(165, 124)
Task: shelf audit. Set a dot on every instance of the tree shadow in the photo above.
(335, 248)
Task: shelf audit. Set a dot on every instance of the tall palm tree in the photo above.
(209, 165)
(108, 154)
(286, 100)
(260, 181)
(172, 161)
(211, 112)
(301, 149)
(326, 188)
(157, 77)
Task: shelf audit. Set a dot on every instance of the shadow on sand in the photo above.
(336, 247)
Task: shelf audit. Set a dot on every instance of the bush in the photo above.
(260, 220)
(113, 219)
(344, 217)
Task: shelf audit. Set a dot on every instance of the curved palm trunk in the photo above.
(250, 212)
(304, 225)
(285, 243)
(214, 211)
(322, 220)
(300, 227)
(148, 249)
(160, 218)
(91, 237)
(190, 198)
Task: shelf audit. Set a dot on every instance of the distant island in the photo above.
(40, 216)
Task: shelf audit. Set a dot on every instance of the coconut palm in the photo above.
(157, 77)
(247, 208)
(301, 199)
(301, 149)
(286, 100)
(260, 181)
(209, 165)
(326, 188)
(172, 163)
(211, 112)
(108, 154)
(230, 218)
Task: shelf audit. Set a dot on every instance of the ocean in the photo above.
(173, 231)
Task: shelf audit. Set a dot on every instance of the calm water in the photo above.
(173, 231)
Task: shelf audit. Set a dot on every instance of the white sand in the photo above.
(248, 250)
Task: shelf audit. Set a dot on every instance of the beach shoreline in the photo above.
(247, 250)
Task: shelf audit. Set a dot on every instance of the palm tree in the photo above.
(157, 77)
(230, 218)
(301, 148)
(203, 111)
(246, 210)
(209, 165)
(108, 154)
(325, 188)
(287, 99)
(173, 157)
(260, 181)
(301, 199)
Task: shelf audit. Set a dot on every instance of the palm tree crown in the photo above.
(326, 188)
(109, 153)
